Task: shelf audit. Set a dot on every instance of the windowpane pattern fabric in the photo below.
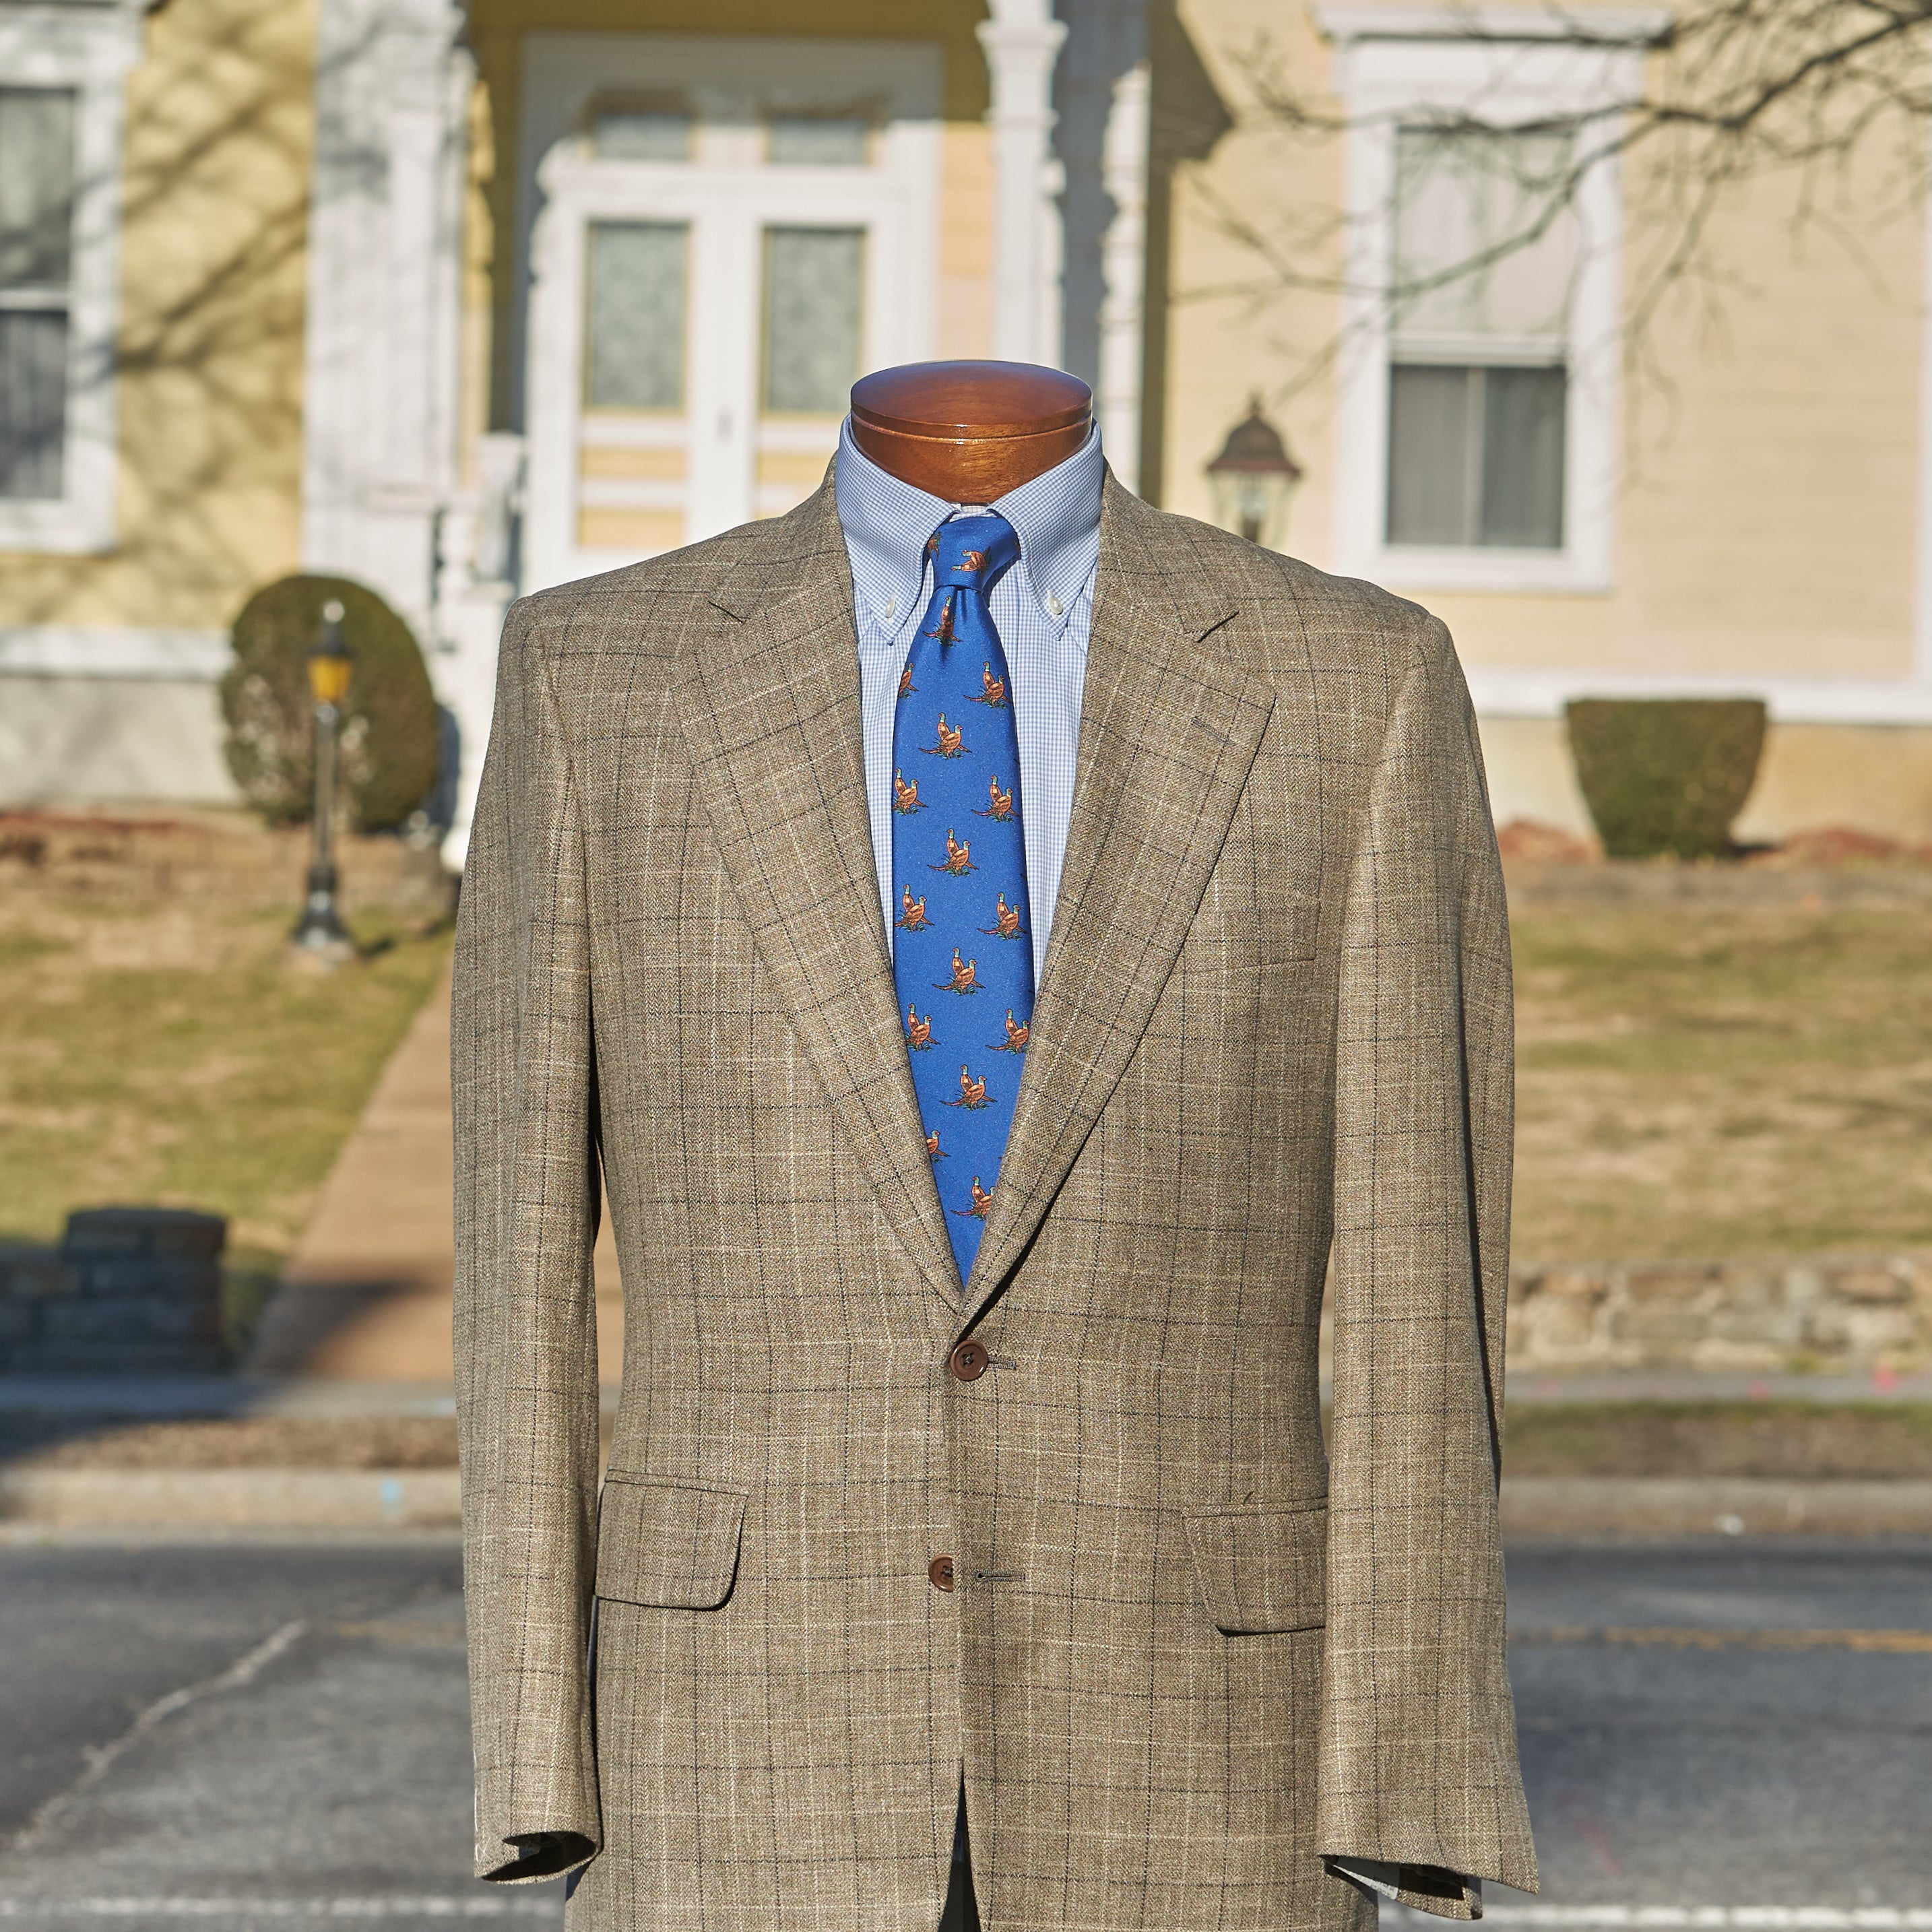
(962, 892)
(1274, 1019)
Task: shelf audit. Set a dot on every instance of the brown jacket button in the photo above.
(969, 1361)
(940, 1570)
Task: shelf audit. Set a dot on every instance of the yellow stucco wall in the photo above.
(1767, 526)
(219, 124)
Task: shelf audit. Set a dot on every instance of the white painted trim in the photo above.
(1381, 79)
(382, 336)
(726, 194)
(1514, 693)
(1124, 272)
(90, 49)
(1021, 43)
(127, 651)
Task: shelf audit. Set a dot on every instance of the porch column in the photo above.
(1022, 40)
(381, 500)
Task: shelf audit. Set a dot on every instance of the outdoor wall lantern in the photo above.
(1252, 479)
(320, 932)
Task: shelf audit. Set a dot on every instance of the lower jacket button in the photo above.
(940, 1570)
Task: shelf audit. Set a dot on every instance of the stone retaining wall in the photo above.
(1822, 1315)
(129, 1291)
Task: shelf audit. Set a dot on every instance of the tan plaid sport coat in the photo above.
(1187, 1652)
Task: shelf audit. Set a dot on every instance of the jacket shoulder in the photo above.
(647, 599)
(1345, 617)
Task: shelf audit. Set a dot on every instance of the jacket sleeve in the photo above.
(1417, 1754)
(522, 1080)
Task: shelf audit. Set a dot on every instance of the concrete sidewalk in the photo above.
(367, 1296)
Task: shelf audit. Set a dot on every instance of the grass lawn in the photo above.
(1700, 1082)
(164, 1051)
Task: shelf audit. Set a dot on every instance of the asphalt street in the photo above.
(249, 1734)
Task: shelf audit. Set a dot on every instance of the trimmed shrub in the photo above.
(390, 742)
(1666, 775)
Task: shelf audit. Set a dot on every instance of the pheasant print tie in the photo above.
(962, 953)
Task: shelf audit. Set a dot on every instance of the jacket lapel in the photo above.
(1168, 731)
(768, 700)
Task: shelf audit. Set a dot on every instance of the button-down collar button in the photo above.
(891, 606)
(940, 1570)
(969, 1361)
(1053, 604)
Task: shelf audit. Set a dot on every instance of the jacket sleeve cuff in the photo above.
(532, 1855)
(1430, 1888)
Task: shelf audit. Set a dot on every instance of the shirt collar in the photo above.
(1056, 516)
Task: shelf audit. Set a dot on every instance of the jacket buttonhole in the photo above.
(996, 1575)
(1001, 1362)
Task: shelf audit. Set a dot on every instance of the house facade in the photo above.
(462, 301)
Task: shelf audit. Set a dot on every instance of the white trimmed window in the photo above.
(1478, 406)
(60, 118)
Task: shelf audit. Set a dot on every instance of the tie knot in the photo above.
(970, 553)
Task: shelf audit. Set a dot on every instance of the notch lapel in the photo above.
(1167, 732)
(768, 700)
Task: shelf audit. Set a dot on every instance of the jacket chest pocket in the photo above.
(667, 1545)
(1259, 1570)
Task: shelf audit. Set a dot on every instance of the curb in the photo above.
(379, 1499)
(1705, 1506)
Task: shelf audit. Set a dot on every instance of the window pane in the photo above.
(36, 186)
(626, 134)
(1458, 195)
(33, 402)
(635, 358)
(819, 141)
(1430, 454)
(1523, 457)
(814, 278)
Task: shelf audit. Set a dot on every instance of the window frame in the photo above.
(1509, 64)
(87, 50)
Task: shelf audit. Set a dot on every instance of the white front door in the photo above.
(730, 232)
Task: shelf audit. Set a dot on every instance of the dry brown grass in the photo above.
(1713, 1081)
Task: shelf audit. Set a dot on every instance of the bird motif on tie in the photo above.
(1001, 802)
(953, 892)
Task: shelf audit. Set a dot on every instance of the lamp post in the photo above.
(320, 932)
(1252, 479)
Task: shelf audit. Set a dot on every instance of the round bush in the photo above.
(1666, 775)
(390, 738)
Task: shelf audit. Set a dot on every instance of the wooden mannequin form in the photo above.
(969, 432)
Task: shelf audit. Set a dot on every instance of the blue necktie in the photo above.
(963, 950)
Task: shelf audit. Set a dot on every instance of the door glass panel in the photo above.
(634, 356)
(1523, 457)
(640, 134)
(1430, 454)
(819, 140)
(813, 289)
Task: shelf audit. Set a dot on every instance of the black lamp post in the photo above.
(319, 931)
(1252, 479)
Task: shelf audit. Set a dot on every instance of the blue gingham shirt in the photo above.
(1042, 608)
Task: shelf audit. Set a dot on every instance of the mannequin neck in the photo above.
(970, 432)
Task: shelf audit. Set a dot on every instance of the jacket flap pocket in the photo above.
(1262, 1569)
(669, 1544)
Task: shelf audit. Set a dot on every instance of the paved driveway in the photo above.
(246, 1735)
